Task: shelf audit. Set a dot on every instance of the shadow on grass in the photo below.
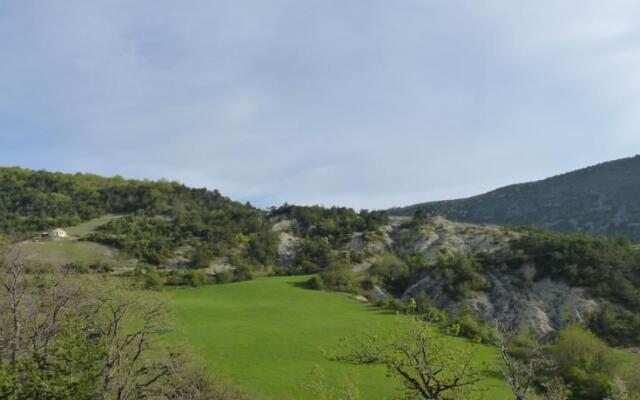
(488, 372)
(380, 310)
(369, 307)
(299, 284)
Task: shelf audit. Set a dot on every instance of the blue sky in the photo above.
(369, 103)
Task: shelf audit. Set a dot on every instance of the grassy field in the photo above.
(61, 252)
(269, 333)
(64, 251)
(88, 227)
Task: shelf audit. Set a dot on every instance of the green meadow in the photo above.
(90, 226)
(64, 251)
(268, 334)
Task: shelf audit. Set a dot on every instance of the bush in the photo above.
(152, 280)
(392, 304)
(224, 276)
(460, 274)
(242, 273)
(338, 277)
(102, 267)
(424, 306)
(590, 365)
(187, 278)
(201, 257)
(77, 267)
(194, 278)
(315, 283)
(393, 272)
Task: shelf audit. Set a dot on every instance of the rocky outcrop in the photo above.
(545, 305)
(288, 242)
(441, 235)
(509, 297)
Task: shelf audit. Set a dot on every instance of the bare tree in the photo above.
(128, 373)
(12, 283)
(83, 337)
(430, 366)
(523, 371)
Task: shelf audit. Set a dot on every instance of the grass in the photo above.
(61, 252)
(64, 251)
(268, 334)
(89, 227)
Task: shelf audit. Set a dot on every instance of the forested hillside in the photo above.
(602, 199)
(161, 222)
(160, 216)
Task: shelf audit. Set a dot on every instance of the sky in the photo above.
(366, 104)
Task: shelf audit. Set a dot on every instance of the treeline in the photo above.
(36, 200)
(336, 224)
(225, 231)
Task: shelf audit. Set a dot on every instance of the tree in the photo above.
(68, 336)
(521, 368)
(152, 279)
(420, 217)
(429, 365)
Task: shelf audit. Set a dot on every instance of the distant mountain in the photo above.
(603, 199)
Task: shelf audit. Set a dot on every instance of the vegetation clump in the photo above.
(66, 336)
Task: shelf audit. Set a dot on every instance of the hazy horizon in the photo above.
(361, 104)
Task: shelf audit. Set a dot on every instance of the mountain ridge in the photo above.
(600, 199)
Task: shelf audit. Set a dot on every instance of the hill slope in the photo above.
(602, 199)
(516, 276)
(157, 218)
(269, 333)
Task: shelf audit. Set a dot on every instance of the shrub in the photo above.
(152, 280)
(187, 278)
(242, 273)
(424, 306)
(77, 266)
(338, 277)
(101, 266)
(224, 276)
(201, 257)
(194, 278)
(315, 283)
(393, 272)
